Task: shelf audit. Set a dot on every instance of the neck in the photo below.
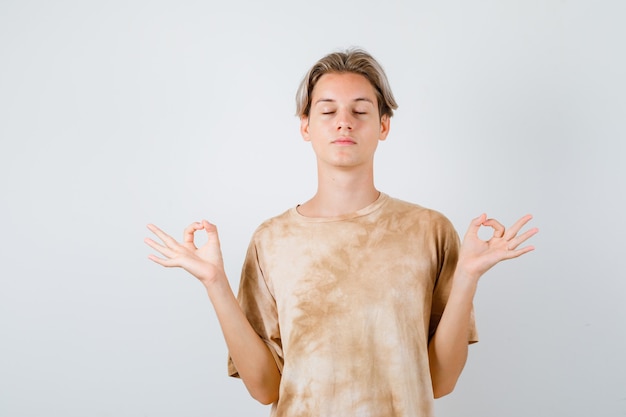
(341, 192)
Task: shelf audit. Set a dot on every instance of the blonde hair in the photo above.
(353, 60)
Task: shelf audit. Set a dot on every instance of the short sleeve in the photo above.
(448, 244)
(259, 306)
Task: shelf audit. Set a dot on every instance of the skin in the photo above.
(249, 353)
(344, 128)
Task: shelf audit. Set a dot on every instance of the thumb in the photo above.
(475, 224)
(211, 231)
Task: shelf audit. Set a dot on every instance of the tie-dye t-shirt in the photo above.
(347, 306)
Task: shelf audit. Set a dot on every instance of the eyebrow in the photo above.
(330, 100)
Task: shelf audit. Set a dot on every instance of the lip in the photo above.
(344, 141)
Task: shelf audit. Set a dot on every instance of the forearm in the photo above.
(251, 356)
(447, 349)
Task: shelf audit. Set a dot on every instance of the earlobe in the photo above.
(304, 128)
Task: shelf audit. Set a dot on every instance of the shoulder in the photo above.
(276, 224)
(415, 213)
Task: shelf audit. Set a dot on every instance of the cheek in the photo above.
(318, 127)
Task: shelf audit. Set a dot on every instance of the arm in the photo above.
(251, 356)
(447, 349)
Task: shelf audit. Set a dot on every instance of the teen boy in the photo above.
(353, 303)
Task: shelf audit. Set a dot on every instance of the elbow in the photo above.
(265, 397)
(264, 391)
(263, 386)
(441, 389)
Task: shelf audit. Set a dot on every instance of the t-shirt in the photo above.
(347, 306)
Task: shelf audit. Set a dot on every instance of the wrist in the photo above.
(465, 277)
(468, 268)
(216, 282)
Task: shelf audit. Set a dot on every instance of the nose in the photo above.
(344, 120)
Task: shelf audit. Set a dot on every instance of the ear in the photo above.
(385, 124)
(304, 128)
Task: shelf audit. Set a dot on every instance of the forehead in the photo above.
(343, 86)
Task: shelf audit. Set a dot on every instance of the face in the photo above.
(344, 125)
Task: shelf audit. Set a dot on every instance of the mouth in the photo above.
(344, 141)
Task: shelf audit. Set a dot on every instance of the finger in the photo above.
(209, 227)
(518, 240)
(519, 252)
(475, 224)
(165, 238)
(188, 234)
(517, 226)
(211, 231)
(212, 234)
(165, 251)
(164, 262)
(498, 228)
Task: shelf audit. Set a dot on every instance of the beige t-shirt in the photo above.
(347, 306)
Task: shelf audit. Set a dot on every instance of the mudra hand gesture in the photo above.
(477, 256)
(205, 262)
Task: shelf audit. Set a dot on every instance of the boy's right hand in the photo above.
(205, 262)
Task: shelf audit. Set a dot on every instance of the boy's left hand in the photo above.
(477, 256)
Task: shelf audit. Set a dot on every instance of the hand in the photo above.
(205, 263)
(477, 256)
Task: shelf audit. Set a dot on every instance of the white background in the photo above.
(120, 113)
